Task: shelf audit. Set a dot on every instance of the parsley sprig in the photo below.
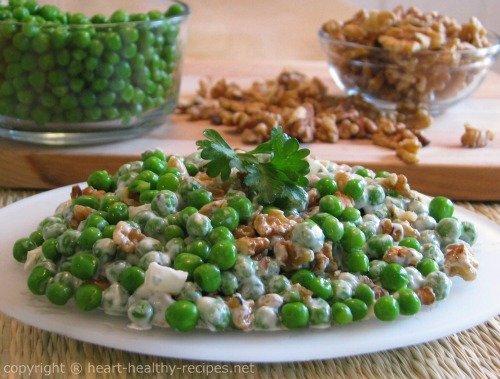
(274, 169)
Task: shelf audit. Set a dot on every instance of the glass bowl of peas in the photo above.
(81, 72)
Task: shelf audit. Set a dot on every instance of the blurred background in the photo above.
(295, 24)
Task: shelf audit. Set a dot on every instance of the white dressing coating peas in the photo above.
(174, 247)
(429, 236)
(33, 257)
(342, 289)
(67, 278)
(53, 230)
(164, 203)
(104, 249)
(140, 314)
(251, 287)
(214, 312)
(113, 269)
(191, 291)
(349, 278)
(320, 312)
(114, 300)
(469, 233)
(424, 222)
(244, 267)
(415, 278)
(440, 283)
(433, 251)
(154, 256)
(309, 235)
(198, 225)
(266, 318)
(449, 229)
(146, 245)
(418, 207)
(160, 302)
(375, 269)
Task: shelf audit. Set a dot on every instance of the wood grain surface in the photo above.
(445, 168)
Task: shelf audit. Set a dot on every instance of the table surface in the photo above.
(280, 29)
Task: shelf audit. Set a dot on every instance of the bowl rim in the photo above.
(489, 50)
(181, 17)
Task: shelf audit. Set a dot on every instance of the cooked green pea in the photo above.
(84, 266)
(183, 315)
(38, 280)
(21, 248)
(58, 293)
(294, 315)
(88, 297)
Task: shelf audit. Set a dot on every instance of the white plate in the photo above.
(467, 305)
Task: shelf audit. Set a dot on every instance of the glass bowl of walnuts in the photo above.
(408, 58)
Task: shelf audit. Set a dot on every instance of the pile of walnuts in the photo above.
(306, 111)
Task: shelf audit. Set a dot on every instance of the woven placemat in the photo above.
(474, 353)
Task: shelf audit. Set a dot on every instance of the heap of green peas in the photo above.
(84, 264)
(59, 67)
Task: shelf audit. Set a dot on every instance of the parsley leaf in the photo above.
(274, 169)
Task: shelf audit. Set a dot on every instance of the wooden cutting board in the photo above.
(445, 168)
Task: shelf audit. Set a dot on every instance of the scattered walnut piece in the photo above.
(426, 295)
(405, 256)
(292, 256)
(474, 137)
(273, 223)
(252, 245)
(80, 213)
(305, 110)
(459, 260)
(241, 312)
(126, 237)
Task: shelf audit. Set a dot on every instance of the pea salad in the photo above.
(266, 239)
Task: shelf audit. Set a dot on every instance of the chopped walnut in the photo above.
(80, 213)
(474, 137)
(459, 260)
(408, 150)
(313, 196)
(241, 312)
(292, 256)
(394, 229)
(272, 300)
(300, 123)
(126, 237)
(273, 223)
(175, 162)
(252, 245)
(398, 183)
(326, 128)
(244, 231)
(209, 209)
(426, 295)
(405, 256)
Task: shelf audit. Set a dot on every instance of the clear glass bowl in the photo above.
(433, 79)
(67, 82)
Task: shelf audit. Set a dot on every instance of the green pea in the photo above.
(357, 262)
(294, 315)
(227, 217)
(332, 228)
(223, 254)
(352, 239)
(358, 308)
(427, 265)
(243, 206)
(410, 242)
(409, 303)
(119, 16)
(365, 293)
(101, 180)
(351, 214)
(96, 220)
(393, 277)
(303, 277)
(341, 314)
(117, 212)
(229, 283)
(321, 287)
(182, 315)
(355, 188)
(331, 204)
(58, 293)
(208, 277)
(192, 169)
(379, 244)
(131, 278)
(87, 201)
(441, 207)
(168, 181)
(84, 266)
(38, 280)
(187, 262)
(198, 198)
(326, 186)
(220, 233)
(108, 230)
(21, 248)
(88, 297)
(386, 308)
(88, 237)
